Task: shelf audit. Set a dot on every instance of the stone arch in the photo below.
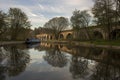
(98, 35)
(115, 34)
(69, 36)
(51, 37)
(47, 37)
(61, 36)
(61, 46)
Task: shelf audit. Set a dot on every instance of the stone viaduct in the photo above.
(95, 32)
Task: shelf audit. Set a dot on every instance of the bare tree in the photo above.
(57, 25)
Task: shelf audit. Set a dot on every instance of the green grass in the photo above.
(104, 42)
(97, 42)
(114, 43)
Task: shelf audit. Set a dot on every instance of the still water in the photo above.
(58, 62)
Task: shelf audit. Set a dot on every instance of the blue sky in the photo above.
(40, 11)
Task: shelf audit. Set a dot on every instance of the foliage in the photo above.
(105, 14)
(80, 19)
(3, 24)
(117, 7)
(18, 21)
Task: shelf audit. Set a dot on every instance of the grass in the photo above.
(97, 42)
(103, 42)
(114, 42)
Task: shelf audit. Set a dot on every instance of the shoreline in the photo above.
(74, 43)
(11, 42)
(83, 44)
(96, 45)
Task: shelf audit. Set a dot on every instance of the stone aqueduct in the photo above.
(97, 32)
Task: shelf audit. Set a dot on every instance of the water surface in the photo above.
(58, 62)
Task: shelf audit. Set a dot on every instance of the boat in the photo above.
(32, 40)
(33, 45)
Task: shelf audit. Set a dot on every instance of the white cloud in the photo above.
(43, 10)
(25, 9)
(73, 2)
(41, 7)
(36, 20)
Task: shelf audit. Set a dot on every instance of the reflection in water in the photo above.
(106, 72)
(18, 60)
(13, 61)
(78, 67)
(109, 67)
(68, 62)
(34, 45)
(55, 57)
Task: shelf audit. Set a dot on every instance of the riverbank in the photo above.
(86, 44)
(99, 44)
(10, 42)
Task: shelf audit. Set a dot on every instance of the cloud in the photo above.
(25, 9)
(38, 21)
(50, 8)
(41, 7)
(40, 11)
(73, 2)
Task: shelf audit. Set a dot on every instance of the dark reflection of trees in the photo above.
(95, 51)
(109, 67)
(2, 71)
(106, 72)
(114, 54)
(16, 63)
(78, 67)
(2, 68)
(55, 57)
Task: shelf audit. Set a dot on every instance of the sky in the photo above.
(40, 11)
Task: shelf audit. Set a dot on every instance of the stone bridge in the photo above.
(67, 34)
(95, 32)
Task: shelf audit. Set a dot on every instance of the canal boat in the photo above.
(33, 45)
(32, 40)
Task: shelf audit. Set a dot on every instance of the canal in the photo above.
(58, 62)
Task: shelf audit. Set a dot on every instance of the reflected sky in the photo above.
(58, 63)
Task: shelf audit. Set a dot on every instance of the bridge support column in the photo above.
(105, 36)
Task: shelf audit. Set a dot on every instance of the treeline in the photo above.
(106, 15)
(14, 25)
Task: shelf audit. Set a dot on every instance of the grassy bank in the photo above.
(95, 42)
(117, 43)
(104, 42)
(10, 42)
